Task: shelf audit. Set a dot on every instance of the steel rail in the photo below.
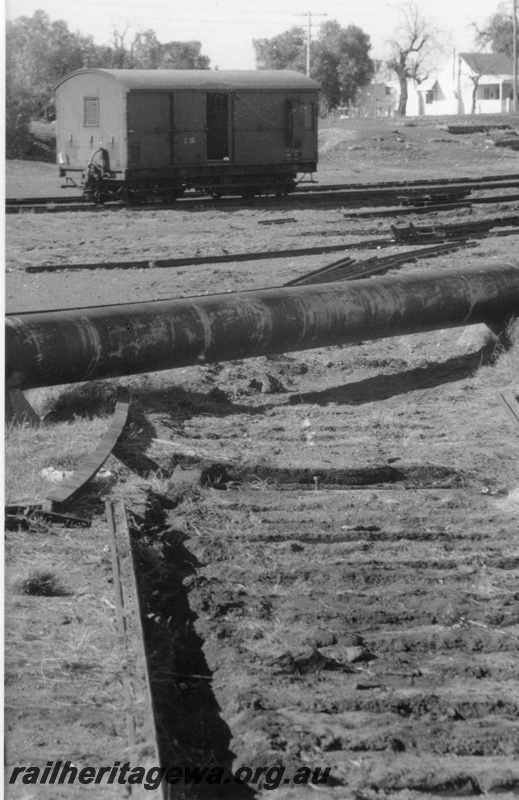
(437, 248)
(45, 349)
(501, 181)
(348, 269)
(398, 211)
(402, 236)
(95, 460)
(229, 258)
(140, 708)
(330, 192)
(226, 203)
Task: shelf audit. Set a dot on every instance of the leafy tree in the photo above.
(39, 52)
(341, 62)
(146, 52)
(339, 59)
(285, 51)
(18, 113)
(498, 32)
(183, 55)
(411, 52)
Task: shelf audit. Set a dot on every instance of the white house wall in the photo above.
(456, 86)
(453, 89)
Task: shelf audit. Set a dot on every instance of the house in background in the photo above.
(380, 97)
(470, 83)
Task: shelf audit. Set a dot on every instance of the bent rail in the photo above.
(49, 348)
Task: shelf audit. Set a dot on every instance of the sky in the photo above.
(226, 28)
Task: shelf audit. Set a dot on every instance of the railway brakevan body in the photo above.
(135, 133)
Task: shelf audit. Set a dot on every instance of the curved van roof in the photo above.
(202, 79)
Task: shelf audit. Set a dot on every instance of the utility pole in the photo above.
(514, 85)
(309, 36)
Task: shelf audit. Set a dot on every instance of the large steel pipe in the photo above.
(60, 347)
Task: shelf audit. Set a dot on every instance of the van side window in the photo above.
(295, 112)
(90, 112)
(309, 116)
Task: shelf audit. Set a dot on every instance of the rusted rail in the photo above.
(424, 234)
(483, 182)
(347, 269)
(45, 349)
(443, 230)
(138, 698)
(417, 193)
(93, 463)
(259, 255)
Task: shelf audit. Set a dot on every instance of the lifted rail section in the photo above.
(50, 348)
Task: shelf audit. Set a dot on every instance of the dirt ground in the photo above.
(344, 594)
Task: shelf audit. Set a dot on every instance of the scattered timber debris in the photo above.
(281, 221)
(441, 230)
(347, 269)
(187, 450)
(27, 516)
(469, 128)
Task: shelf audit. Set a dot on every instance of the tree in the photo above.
(118, 56)
(342, 63)
(498, 32)
(184, 55)
(18, 113)
(39, 52)
(285, 51)
(146, 52)
(479, 68)
(411, 52)
(339, 59)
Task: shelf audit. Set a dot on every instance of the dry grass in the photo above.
(421, 399)
(28, 451)
(41, 582)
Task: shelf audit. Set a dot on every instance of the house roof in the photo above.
(202, 79)
(488, 63)
(427, 85)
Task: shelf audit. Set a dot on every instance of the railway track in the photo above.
(358, 641)
(412, 192)
(378, 648)
(440, 232)
(298, 612)
(362, 621)
(367, 616)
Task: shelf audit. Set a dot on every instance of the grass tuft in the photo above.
(41, 583)
(82, 401)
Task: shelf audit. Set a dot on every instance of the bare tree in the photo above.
(121, 56)
(479, 69)
(411, 52)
